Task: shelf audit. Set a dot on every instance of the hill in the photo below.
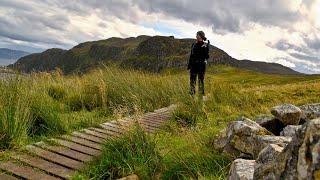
(9, 56)
(143, 52)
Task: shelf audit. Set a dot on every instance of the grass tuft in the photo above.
(133, 153)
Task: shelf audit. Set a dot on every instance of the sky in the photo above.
(280, 31)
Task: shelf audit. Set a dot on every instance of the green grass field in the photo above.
(44, 105)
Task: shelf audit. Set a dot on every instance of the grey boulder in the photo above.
(240, 138)
(310, 111)
(288, 114)
(267, 162)
(241, 169)
(308, 166)
(290, 130)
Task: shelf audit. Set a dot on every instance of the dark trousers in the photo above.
(197, 72)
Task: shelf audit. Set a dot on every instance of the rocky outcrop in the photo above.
(242, 169)
(290, 131)
(266, 162)
(238, 138)
(293, 155)
(310, 111)
(308, 166)
(288, 114)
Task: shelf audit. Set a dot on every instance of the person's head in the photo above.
(201, 36)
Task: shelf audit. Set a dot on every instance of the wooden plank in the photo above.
(82, 142)
(147, 126)
(47, 166)
(98, 134)
(7, 177)
(157, 115)
(78, 147)
(66, 152)
(150, 124)
(126, 123)
(109, 127)
(56, 158)
(88, 137)
(120, 125)
(25, 171)
(158, 120)
(106, 131)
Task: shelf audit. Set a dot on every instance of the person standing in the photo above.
(197, 63)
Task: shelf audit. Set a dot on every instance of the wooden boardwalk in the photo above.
(70, 153)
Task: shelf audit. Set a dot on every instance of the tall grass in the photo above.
(133, 153)
(49, 104)
(15, 113)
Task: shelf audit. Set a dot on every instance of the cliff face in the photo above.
(143, 52)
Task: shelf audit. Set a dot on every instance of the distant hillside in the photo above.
(9, 56)
(143, 52)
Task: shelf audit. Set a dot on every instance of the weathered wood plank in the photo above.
(88, 137)
(7, 177)
(83, 142)
(78, 147)
(66, 152)
(144, 123)
(44, 165)
(110, 127)
(98, 134)
(56, 158)
(25, 171)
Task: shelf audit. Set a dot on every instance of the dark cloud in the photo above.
(222, 16)
(30, 20)
(227, 15)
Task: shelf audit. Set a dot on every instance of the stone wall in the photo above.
(283, 146)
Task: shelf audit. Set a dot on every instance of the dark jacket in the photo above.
(199, 55)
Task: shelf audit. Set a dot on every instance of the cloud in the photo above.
(227, 15)
(283, 31)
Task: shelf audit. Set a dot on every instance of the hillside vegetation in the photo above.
(41, 105)
(153, 54)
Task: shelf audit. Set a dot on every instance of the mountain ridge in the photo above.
(151, 53)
